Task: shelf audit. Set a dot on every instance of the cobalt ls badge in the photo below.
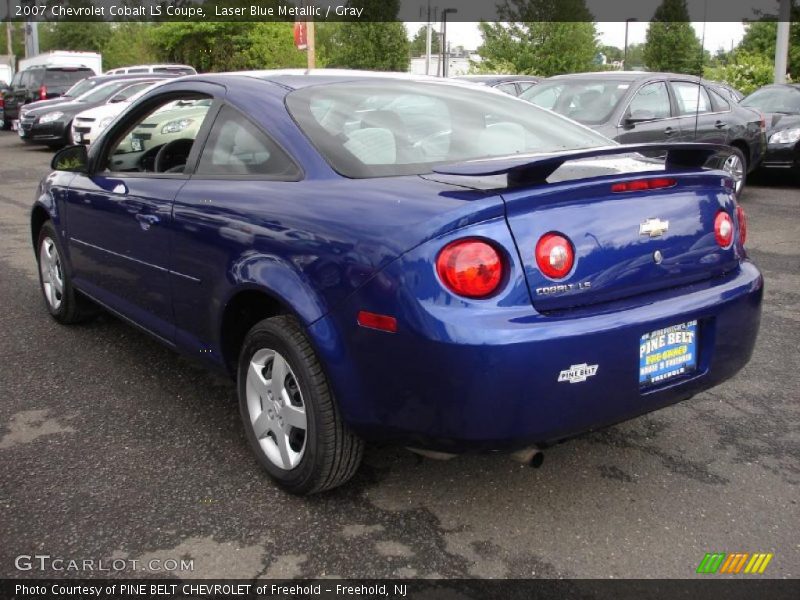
(653, 227)
(577, 373)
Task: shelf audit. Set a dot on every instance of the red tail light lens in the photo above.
(763, 122)
(723, 229)
(639, 185)
(2, 102)
(554, 255)
(470, 268)
(742, 219)
(43, 92)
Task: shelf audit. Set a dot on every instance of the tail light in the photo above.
(43, 93)
(470, 268)
(742, 219)
(763, 122)
(639, 185)
(723, 229)
(554, 255)
(2, 102)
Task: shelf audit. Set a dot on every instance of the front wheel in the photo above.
(65, 304)
(288, 410)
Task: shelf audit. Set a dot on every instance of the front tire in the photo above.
(63, 302)
(289, 414)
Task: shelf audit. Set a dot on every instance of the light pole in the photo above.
(443, 41)
(625, 52)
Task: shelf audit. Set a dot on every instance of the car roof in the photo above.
(292, 79)
(625, 75)
(497, 78)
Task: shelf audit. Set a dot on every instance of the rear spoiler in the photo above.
(538, 167)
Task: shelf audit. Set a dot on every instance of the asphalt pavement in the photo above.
(112, 448)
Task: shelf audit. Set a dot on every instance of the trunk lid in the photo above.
(625, 243)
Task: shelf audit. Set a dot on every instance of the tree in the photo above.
(74, 35)
(419, 42)
(745, 71)
(129, 44)
(760, 38)
(635, 56)
(381, 45)
(539, 37)
(612, 53)
(671, 42)
(218, 46)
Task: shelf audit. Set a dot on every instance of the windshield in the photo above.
(389, 128)
(131, 91)
(103, 92)
(586, 101)
(80, 88)
(774, 100)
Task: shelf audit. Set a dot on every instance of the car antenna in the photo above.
(702, 59)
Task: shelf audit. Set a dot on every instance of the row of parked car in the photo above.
(57, 105)
(634, 107)
(60, 105)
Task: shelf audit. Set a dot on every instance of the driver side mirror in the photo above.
(638, 116)
(72, 158)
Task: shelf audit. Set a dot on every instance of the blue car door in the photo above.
(119, 216)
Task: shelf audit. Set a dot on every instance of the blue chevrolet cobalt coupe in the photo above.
(423, 262)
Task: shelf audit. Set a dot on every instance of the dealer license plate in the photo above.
(15, 125)
(78, 137)
(667, 353)
(137, 145)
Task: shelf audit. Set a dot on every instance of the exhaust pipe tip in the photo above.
(533, 456)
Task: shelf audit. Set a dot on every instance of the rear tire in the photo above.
(736, 165)
(289, 414)
(64, 303)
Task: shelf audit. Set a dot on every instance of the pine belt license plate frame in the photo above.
(668, 353)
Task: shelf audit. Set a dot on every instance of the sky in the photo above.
(717, 35)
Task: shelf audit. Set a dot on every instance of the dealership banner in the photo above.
(375, 10)
(400, 589)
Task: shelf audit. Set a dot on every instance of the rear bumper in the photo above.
(490, 382)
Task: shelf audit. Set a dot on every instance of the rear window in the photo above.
(387, 128)
(585, 101)
(774, 99)
(66, 77)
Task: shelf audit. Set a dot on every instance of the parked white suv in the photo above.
(168, 69)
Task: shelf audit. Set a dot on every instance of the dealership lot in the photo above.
(112, 447)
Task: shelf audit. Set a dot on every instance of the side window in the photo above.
(161, 140)
(236, 147)
(508, 88)
(524, 85)
(26, 80)
(691, 97)
(651, 102)
(718, 102)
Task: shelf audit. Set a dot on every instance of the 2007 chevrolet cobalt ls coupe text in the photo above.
(415, 261)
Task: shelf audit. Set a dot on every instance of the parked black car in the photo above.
(510, 84)
(52, 125)
(83, 86)
(3, 91)
(781, 105)
(635, 107)
(40, 83)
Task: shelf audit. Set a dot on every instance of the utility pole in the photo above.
(782, 41)
(428, 36)
(311, 51)
(9, 31)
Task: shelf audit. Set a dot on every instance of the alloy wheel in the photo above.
(276, 408)
(52, 273)
(735, 167)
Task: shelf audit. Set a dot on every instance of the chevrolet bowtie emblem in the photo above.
(653, 227)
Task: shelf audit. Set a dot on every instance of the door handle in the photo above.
(146, 220)
(720, 124)
(669, 131)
